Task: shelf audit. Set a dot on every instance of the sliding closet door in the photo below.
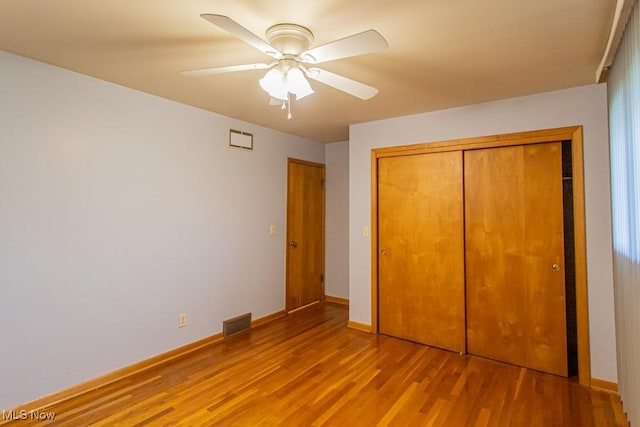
(421, 258)
(514, 256)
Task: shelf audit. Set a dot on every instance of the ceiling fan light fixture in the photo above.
(279, 85)
(274, 84)
(298, 84)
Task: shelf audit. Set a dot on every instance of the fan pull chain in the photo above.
(288, 106)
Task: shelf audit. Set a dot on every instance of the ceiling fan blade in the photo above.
(352, 87)
(228, 69)
(369, 41)
(232, 27)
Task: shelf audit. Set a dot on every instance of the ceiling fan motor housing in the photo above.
(289, 39)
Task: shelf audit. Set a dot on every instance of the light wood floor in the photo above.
(309, 369)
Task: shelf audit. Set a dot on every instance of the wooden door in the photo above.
(305, 233)
(514, 256)
(421, 259)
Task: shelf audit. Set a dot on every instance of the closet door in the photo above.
(514, 256)
(421, 258)
(305, 233)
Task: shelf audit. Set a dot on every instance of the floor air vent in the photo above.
(236, 325)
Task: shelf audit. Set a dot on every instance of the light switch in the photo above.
(272, 229)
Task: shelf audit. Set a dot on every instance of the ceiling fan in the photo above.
(294, 62)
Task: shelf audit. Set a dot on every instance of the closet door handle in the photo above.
(555, 267)
(383, 252)
(293, 244)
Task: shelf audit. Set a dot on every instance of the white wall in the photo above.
(118, 211)
(585, 106)
(337, 220)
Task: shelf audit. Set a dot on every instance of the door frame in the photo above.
(291, 160)
(571, 133)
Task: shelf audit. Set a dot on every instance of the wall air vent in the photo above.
(239, 139)
(236, 325)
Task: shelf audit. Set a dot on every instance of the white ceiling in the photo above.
(442, 53)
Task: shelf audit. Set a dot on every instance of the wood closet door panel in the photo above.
(421, 258)
(514, 256)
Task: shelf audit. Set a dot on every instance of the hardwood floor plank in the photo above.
(308, 368)
(398, 405)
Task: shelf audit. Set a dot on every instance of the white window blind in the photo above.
(624, 128)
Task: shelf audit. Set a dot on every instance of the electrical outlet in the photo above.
(182, 320)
